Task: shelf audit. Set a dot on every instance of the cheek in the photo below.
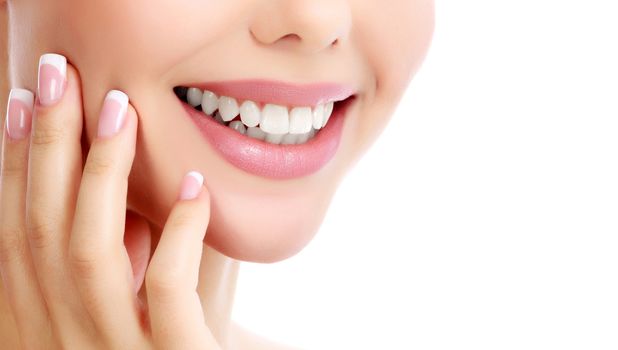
(135, 44)
(132, 45)
(395, 42)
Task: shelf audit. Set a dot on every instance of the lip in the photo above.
(278, 92)
(268, 160)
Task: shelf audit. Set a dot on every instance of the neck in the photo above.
(216, 287)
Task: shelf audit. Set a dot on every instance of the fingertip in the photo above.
(192, 185)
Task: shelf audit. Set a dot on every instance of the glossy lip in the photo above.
(268, 160)
(278, 92)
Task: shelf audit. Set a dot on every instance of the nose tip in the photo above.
(308, 26)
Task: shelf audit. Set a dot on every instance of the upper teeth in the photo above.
(271, 118)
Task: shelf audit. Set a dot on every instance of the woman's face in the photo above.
(268, 200)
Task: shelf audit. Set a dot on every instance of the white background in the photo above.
(486, 217)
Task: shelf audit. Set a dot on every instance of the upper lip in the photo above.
(278, 92)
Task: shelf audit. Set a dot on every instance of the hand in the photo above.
(63, 261)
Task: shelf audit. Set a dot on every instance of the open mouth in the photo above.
(269, 128)
(269, 122)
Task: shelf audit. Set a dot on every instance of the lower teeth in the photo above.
(259, 134)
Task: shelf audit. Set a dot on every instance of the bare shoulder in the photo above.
(247, 340)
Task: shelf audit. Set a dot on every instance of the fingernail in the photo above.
(52, 77)
(113, 113)
(191, 186)
(19, 113)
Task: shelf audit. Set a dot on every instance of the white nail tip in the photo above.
(119, 97)
(23, 95)
(58, 61)
(197, 176)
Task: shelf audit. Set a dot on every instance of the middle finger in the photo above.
(53, 180)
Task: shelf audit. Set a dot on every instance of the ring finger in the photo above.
(18, 274)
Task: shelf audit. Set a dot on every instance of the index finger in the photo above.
(175, 310)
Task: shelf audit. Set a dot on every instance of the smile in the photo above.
(267, 128)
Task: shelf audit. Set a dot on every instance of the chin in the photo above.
(270, 224)
(268, 196)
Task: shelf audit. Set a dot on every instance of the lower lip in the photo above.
(268, 160)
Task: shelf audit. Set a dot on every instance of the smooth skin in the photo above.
(64, 264)
(134, 46)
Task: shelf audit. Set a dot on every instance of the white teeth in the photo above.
(273, 124)
(210, 102)
(228, 108)
(302, 138)
(194, 97)
(300, 120)
(250, 113)
(274, 138)
(275, 119)
(256, 133)
(289, 139)
(238, 126)
(318, 116)
(328, 111)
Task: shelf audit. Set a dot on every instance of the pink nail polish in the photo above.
(191, 185)
(19, 113)
(113, 113)
(52, 78)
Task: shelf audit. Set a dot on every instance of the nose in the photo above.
(308, 26)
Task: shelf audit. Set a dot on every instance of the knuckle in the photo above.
(180, 221)
(46, 136)
(40, 233)
(99, 165)
(14, 167)
(82, 262)
(163, 284)
(13, 245)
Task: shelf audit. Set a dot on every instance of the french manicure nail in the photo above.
(52, 77)
(191, 185)
(113, 113)
(19, 113)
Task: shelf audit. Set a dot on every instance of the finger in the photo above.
(18, 274)
(137, 241)
(176, 314)
(97, 254)
(53, 180)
